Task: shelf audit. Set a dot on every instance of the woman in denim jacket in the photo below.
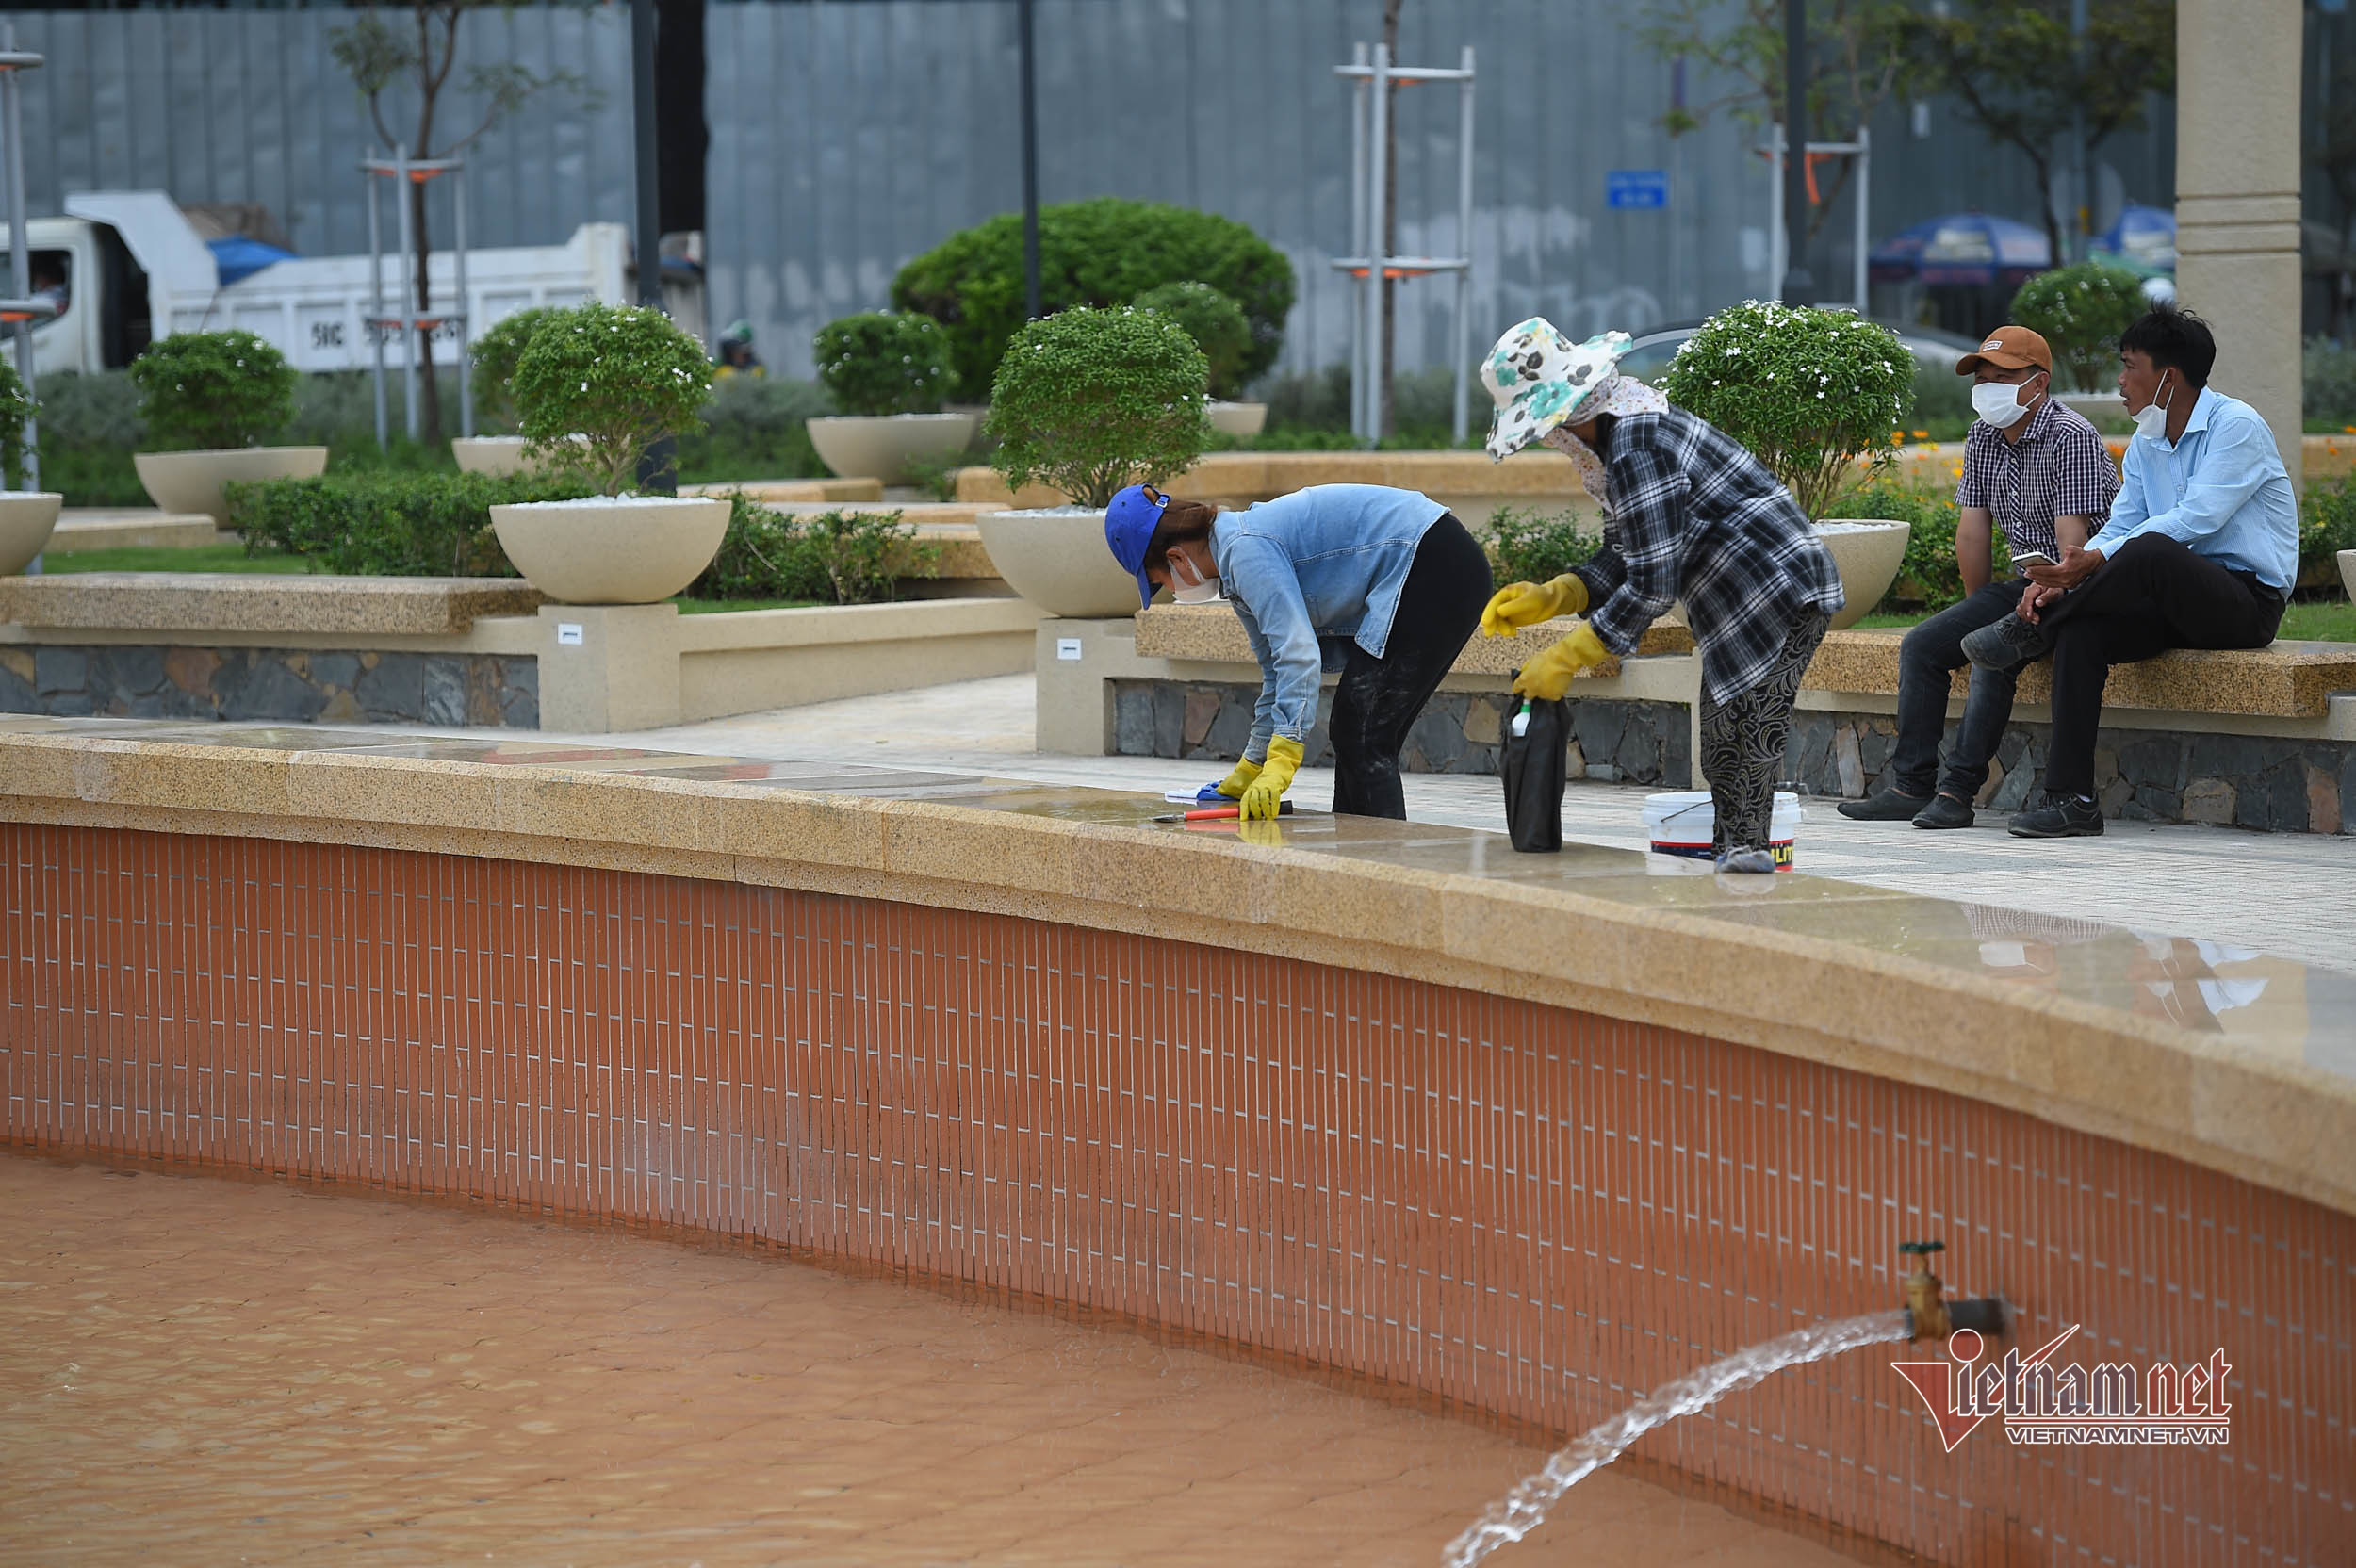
(1383, 585)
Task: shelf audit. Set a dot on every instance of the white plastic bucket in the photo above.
(1681, 822)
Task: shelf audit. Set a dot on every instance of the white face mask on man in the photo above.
(2152, 418)
(1185, 586)
(1997, 403)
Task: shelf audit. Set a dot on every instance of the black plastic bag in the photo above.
(1535, 766)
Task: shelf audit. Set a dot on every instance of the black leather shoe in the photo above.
(1944, 811)
(2007, 644)
(2058, 817)
(1885, 806)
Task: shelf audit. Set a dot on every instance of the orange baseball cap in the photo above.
(2009, 349)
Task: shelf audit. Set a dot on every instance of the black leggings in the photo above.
(1379, 699)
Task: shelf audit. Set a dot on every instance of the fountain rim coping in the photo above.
(2226, 1107)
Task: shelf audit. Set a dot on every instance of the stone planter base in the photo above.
(285, 685)
(191, 481)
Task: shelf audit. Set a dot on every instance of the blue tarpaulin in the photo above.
(235, 256)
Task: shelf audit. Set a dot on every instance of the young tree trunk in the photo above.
(429, 389)
(2044, 168)
(1380, 360)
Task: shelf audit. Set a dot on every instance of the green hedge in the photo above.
(387, 524)
(1102, 252)
(833, 557)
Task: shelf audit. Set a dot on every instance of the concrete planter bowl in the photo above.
(2347, 572)
(26, 519)
(1868, 551)
(1238, 420)
(1055, 558)
(191, 481)
(498, 455)
(611, 549)
(883, 446)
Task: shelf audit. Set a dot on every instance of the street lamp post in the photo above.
(1799, 288)
(1030, 159)
(657, 470)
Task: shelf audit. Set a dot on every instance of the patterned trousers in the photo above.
(1743, 737)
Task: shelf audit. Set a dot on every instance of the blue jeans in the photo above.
(1931, 653)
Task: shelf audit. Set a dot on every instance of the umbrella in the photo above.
(1962, 247)
(2144, 239)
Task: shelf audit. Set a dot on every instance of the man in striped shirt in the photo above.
(2040, 470)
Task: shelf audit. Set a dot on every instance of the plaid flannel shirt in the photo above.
(2058, 468)
(1693, 515)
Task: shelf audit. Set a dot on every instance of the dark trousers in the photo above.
(2154, 595)
(1932, 652)
(1744, 740)
(1378, 699)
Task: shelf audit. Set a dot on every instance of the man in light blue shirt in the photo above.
(2200, 551)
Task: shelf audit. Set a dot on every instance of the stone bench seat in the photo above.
(184, 603)
(1210, 633)
(2287, 679)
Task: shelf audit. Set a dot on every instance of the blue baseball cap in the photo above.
(1129, 524)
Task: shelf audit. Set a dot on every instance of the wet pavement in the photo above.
(199, 1371)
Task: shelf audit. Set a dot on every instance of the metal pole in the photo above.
(465, 300)
(1799, 288)
(1864, 212)
(1778, 258)
(657, 472)
(2082, 197)
(408, 293)
(1358, 243)
(1378, 352)
(1030, 160)
(1463, 250)
(375, 325)
(20, 252)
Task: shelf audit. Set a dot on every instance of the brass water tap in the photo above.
(1926, 1307)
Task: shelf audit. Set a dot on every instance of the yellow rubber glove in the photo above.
(1521, 604)
(1267, 792)
(1548, 676)
(1235, 783)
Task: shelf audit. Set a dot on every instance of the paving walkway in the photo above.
(202, 1372)
(2291, 894)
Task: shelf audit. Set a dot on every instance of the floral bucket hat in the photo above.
(1539, 378)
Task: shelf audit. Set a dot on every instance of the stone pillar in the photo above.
(607, 667)
(2237, 91)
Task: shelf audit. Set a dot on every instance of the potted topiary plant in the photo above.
(2080, 311)
(596, 386)
(209, 401)
(1222, 331)
(26, 517)
(494, 356)
(1085, 401)
(1815, 395)
(887, 371)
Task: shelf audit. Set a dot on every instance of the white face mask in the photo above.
(1998, 404)
(1187, 588)
(2152, 418)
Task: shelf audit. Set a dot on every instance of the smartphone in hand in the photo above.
(2033, 558)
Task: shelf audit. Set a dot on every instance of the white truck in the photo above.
(134, 269)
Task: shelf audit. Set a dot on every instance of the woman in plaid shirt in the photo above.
(1688, 513)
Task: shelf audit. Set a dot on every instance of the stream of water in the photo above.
(1521, 1509)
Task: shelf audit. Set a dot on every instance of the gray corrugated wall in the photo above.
(849, 135)
(250, 107)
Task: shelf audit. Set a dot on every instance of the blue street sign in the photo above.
(1636, 187)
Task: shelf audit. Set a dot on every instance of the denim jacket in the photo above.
(1307, 573)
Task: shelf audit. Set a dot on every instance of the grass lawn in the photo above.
(715, 606)
(204, 558)
(2305, 621)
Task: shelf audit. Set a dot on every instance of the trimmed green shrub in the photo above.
(388, 524)
(2080, 311)
(620, 377)
(1214, 322)
(495, 355)
(16, 406)
(1929, 569)
(1809, 391)
(2327, 525)
(834, 557)
(884, 362)
(1089, 400)
(205, 390)
(1528, 546)
(1101, 252)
